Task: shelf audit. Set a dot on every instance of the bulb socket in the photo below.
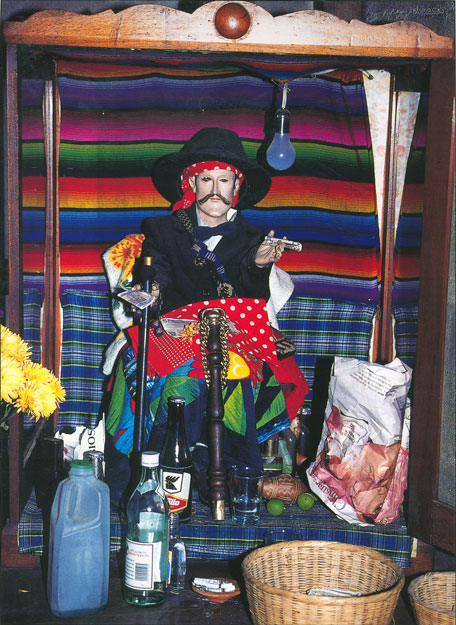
(282, 121)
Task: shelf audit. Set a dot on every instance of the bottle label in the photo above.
(140, 572)
(177, 488)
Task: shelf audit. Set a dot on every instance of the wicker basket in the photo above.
(278, 577)
(433, 598)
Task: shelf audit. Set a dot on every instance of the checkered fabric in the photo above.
(405, 330)
(30, 529)
(33, 300)
(324, 328)
(87, 329)
(206, 538)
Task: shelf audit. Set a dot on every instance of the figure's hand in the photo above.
(155, 290)
(268, 253)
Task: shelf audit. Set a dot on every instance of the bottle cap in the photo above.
(150, 458)
(81, 464)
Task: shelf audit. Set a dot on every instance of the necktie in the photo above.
(226, 229)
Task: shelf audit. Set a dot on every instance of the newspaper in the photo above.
(360, 470)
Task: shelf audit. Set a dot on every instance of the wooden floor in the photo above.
(23, 602)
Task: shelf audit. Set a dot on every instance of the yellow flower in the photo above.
(12, 345)
(57, 389)
(36, 372)
(25, 385)
(12, 376)
(36, 399)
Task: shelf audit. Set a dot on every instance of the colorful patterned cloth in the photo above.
(253, 401)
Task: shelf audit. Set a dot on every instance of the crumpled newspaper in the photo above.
(360, 470)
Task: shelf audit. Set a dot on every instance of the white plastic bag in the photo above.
(360, 471)
(82, 439)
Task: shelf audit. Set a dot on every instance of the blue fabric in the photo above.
(206, 538)
(87, 329)
(405, 331)
(33, 301)
(324, 328)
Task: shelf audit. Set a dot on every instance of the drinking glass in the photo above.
(246, 488)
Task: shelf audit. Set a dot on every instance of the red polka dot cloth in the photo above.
(250, 334)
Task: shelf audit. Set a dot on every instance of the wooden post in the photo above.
(51, 326)
(385, 351)
(17, 494)
(215, 413)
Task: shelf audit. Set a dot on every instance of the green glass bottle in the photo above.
(146, 558)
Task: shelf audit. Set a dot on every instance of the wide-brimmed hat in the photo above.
(211, 144)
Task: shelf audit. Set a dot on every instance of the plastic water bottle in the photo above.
(78, 570)
(177, 564)
(146, 558)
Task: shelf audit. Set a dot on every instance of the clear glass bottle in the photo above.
(146, 559)
(177, 564)
(176, 462)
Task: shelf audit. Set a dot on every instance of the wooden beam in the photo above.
(164, 28)
(51, 324)
(385, 352)
(15, 295)
(434, 266)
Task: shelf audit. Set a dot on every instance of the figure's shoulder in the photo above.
(159, 223)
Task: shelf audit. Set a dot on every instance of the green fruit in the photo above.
(275, 507)
(306, 501)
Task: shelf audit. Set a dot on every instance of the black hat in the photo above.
(211, 144)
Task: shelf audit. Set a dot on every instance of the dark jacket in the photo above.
(182, 282)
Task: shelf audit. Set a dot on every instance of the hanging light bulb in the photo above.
(280, 154)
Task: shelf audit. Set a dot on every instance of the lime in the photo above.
(306, 501)
(275, 507)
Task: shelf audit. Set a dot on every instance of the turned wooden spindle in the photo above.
(215, 412)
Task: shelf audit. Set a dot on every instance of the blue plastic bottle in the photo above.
(78, 572)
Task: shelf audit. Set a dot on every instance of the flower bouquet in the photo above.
(26, 386)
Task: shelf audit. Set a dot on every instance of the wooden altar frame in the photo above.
(309, 33)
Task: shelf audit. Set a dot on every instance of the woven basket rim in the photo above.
(323, 599)
(414, 584)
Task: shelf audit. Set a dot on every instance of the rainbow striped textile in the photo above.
(117, 118)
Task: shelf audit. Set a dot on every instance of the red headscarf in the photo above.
(198, 168)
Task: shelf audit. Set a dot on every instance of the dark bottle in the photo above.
(49, 471)
(176, 462)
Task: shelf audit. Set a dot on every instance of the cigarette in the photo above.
(287, 244)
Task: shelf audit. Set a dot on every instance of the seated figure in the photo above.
(205, 254)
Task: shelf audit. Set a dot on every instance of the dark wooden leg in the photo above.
(215, 412)
(422, 560)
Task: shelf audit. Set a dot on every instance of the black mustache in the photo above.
(211, 195)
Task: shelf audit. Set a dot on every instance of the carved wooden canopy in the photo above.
(246, 27)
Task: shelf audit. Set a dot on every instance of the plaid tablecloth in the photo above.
(209, 539)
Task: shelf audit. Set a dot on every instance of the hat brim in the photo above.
(166, 172)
